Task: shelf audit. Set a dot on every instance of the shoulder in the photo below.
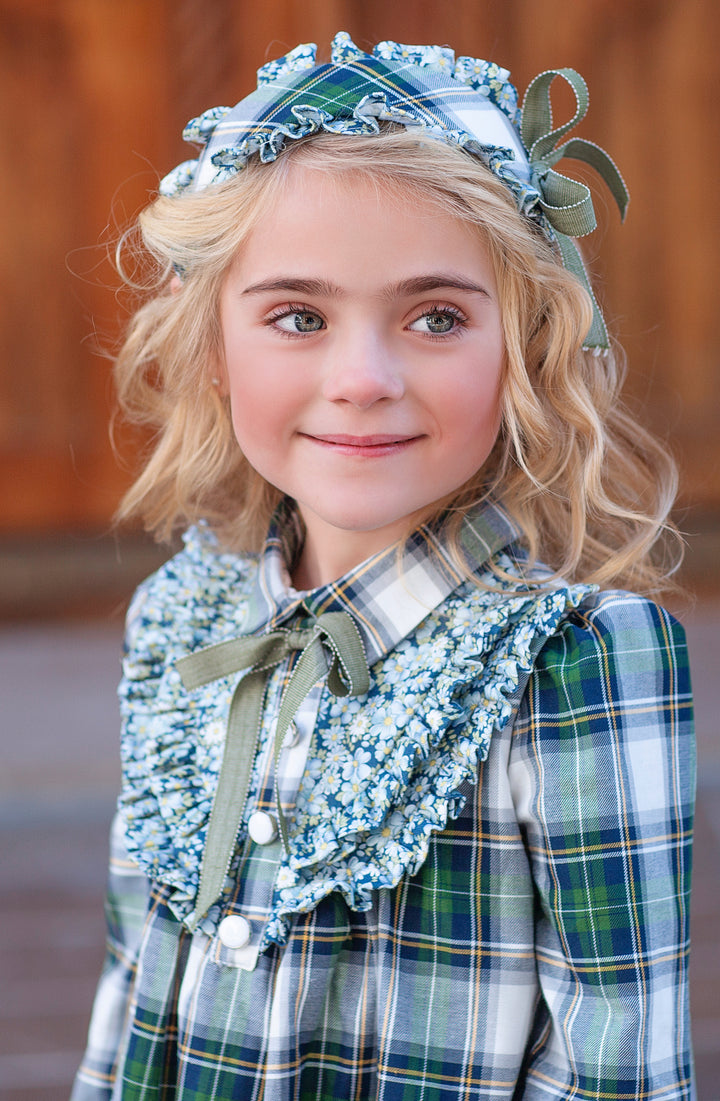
(196, 597)
(618, 633)
(616, 661)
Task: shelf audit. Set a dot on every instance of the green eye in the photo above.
(306, 322)
(439, 322)
(300, 321)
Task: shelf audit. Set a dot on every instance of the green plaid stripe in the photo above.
(424, 96)
(338, 89)
(541, 950)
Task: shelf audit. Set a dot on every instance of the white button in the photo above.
(234, 931)
(292, 736)
(262, 828)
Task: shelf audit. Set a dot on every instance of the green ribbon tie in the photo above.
(567, 203)
(331, 635)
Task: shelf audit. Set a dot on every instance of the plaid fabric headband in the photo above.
(463, 101)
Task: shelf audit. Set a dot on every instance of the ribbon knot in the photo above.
(330, 645)
(567, 203)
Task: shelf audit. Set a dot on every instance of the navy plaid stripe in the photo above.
(338, 89)
(540, 951)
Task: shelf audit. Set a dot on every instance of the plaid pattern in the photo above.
(540, 952)
(461, 102)
(386, 598)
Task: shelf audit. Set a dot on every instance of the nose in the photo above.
(362, 369)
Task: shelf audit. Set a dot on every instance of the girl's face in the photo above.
(363, 356)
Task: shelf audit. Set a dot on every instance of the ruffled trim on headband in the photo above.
(200, 129)
(181, 177)
(485, 77)
(561, 206)
(296, 61)
(365, 119)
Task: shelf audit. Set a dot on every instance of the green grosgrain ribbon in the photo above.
(333, 635)
(567, 203)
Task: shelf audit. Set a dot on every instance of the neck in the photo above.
(329, 554)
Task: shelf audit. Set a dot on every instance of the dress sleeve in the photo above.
(602, 771)
(126, 903)
(126, 909)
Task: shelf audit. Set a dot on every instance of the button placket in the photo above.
(258, 868)
(240, 932)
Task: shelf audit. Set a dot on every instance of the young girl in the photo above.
(407, 795)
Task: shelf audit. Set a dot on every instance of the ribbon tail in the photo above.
(243, 732)
(597, 335)
(261, 653)
(337, 631)
(343, 638)
(310, 669)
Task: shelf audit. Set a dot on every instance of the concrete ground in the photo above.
(58, 740)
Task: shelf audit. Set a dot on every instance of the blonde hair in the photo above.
(589, 487)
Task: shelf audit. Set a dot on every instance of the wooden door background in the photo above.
(95, 94)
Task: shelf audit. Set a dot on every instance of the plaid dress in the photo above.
(486, 888)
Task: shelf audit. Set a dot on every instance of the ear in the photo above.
(175, 284)
(218, 383)
(217, 375)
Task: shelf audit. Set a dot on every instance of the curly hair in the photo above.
(587, 484)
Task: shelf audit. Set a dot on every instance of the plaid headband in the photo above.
(463, 101)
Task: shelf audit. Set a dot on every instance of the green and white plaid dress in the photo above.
(485, 892)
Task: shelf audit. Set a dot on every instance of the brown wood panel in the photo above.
(97, 95)
(78, 79)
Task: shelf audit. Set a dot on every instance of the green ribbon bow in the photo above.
(567, 203)
(332, 633)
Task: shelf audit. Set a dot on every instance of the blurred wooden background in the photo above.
(95, 94)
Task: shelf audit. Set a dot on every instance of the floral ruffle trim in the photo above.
(368, 807)
(486, 78)
(172, 746)
(386, 770)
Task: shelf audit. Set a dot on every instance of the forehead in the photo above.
(313, 213)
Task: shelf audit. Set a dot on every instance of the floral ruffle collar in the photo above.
(388, 771)
(385, 770)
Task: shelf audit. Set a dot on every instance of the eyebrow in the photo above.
(433, 281)
(322, 288)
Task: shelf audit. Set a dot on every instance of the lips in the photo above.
(373, 445)
(363, 441)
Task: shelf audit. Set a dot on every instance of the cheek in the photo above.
(476, 408)
(252, 418)
(264, 416)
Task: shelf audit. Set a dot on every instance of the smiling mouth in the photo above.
(363, 445)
